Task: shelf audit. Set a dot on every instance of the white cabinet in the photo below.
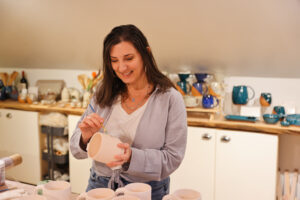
(79, 169)
(19, 133)
(246, 165)
(228, 165)
(197, 171)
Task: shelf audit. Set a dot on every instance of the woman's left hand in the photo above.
(121, 158)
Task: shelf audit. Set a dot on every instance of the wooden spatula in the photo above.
(12, 78)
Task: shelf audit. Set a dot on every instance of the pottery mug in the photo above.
(265, 99)
(279, 110)
(140, 190)
(103, 148)
(97, 194)
(126, 197)
(191, 101)
(240, 94)
(33, 197)
(183, 194)
(55, 190)
(209, 101)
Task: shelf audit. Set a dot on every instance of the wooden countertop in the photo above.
(193, 119)
(67, 109)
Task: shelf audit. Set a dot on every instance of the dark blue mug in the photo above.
(240, 94)
(209, 101)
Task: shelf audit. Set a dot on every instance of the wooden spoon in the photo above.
(13, 76)
(81, 80)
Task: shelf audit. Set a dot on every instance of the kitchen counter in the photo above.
(67, 109)
(193, 119)
(28, 189)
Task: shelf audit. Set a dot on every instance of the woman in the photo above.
(138, 104)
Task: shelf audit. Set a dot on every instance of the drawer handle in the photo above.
(225, 138)
(206, 136)
(9, 115)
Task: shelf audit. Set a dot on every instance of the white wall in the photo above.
(284, 91)
(238, 37)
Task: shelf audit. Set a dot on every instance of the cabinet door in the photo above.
(79, 169)
(20, 134)
(197, 168)
(246, 164)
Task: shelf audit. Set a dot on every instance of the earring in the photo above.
(145, 69)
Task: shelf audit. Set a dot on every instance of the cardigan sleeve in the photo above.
(157, 164)
(75, 146)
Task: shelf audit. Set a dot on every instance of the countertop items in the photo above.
(193, 118)
(240, 118)
(25, 190)
(67, 109)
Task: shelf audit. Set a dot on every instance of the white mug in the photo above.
(140, 190)
(126, 197)
(56, 190)
(97, 194)
(103, 148)
(183, 194)
(32, 197)
(191, 101)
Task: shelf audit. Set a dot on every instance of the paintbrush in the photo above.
(103, 127)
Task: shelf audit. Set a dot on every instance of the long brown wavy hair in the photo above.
(111, 86)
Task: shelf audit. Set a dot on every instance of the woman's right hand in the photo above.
(89, 126)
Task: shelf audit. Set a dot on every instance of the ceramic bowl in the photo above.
(284, 123)
(271, 118)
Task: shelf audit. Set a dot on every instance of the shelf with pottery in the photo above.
(258, 126)
(197, 116)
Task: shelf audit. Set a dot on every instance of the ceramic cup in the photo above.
(279, 110)
(240, 94)
(209, 101)
(97, 194)
(191, 101)
(265, 99)
(183, 85)
(140, 190)
(126, 197)
(56, 190)
(103, 148)
(183, 194)
(33, 197)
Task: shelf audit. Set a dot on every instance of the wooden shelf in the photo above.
(210, 112)
(259, 126)
(198, 109)
(67, 109)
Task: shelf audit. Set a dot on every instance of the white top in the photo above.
(123, 125)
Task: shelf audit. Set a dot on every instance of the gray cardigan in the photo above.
(160, 141)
